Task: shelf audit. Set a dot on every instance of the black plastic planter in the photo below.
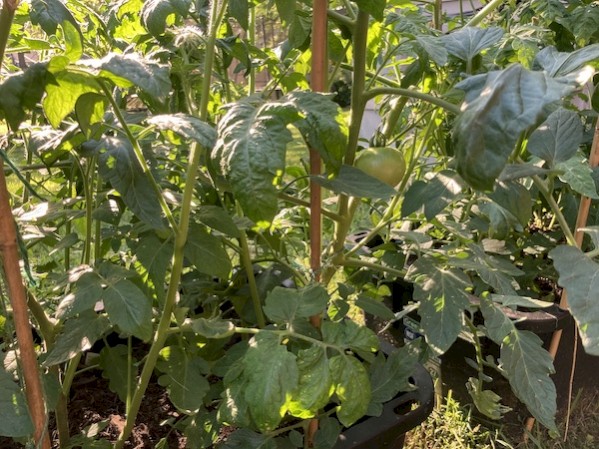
(398, 417)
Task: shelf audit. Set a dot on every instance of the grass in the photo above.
(453, 426)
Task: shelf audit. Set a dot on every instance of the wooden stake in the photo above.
(581, 221)
(18, 300)
(318, 80)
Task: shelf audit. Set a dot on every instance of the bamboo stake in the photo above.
(18, 300)
(14, 282)
(318, 80)
(581, 221)
(318, 83)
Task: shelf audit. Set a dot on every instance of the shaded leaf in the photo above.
(528, 368)
(21, 92)
(443, 299)
(348, 334)
(321, 126)
(433, 195)
(49, 14)
(186, 126)
(118, 164)
(251, 153)
(579, 275)
(206, 252)
(468, 42)
(154, 13)
(78, 335)
(156, 257)
(14, 415)
(375, 8)
(578, 175)
(354, 182)
(182, 378)
(114, 362)
(557, 139)
(499, 106)
(390, 375)
(246, 439)
(239, 10)
(218, 219)
(286, 304)
(90, 109)
(129, 309)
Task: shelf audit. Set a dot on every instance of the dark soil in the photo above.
(92, 402)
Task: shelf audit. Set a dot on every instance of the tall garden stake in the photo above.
(12, 271)
(318, 80)
(581, 221)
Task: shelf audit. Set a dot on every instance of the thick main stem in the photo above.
(161, 334)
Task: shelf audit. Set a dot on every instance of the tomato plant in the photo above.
(155, 156)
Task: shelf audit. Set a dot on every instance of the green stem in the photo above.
(348, 22)
(359, 263)
(70, 374)
(293, 200)
(162, 331)
(555, 209)
(483, 13)
(358, 104)
(129, 375)
(139, 155)
(450, 107)
(249, 271)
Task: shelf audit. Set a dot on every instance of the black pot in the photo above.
(398, 417)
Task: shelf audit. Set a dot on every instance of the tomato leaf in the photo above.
(14, 415)
(182, 377)
(129, 308)
(186, 126)
(352, 387)
(467, 42)
(118, 164)
(84, 296)
(114, 363)
(484, 138)
(155, 13)
(206, 252)
(49, 14)
(251, 153)
(433, 196)
(528, 367)
(443, 299)
(557, 139)
(579, 275)
(272, 375)
(315, 386)
(286, 305)
(62, 94)
(321, 126)
(21, 93)
(78, 335)
(132, 70)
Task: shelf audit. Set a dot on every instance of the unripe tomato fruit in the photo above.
(383, 163)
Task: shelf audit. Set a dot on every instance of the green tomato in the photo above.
(383, 163)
